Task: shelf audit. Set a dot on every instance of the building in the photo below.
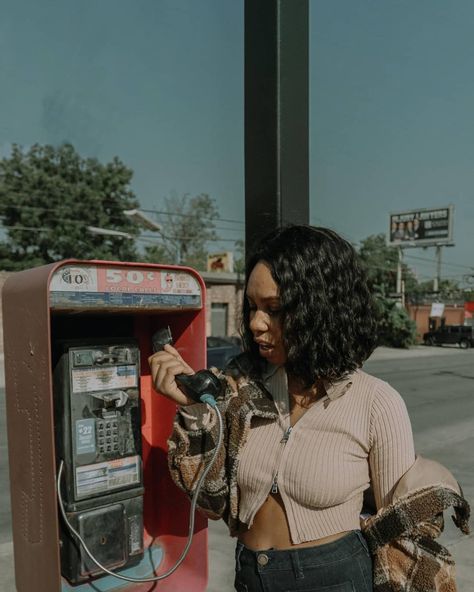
(223, 303)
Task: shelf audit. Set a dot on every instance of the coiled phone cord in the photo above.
(194, 499)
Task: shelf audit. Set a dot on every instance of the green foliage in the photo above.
(381, 263)
(186, 228)
(468, 295)
(395, 327)
(447, 289)
(48, 198)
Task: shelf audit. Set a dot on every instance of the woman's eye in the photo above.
(274, 312)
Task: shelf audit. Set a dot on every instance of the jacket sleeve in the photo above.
(191, 447)
(392, 450)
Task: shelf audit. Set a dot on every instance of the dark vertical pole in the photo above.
(276, 115)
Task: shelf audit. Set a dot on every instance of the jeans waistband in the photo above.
(301, 557)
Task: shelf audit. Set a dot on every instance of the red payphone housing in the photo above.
(77, 301)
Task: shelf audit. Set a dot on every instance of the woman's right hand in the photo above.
(165, 366)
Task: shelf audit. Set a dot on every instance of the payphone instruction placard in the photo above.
(85, 380)
(89, 286)
(107, 476)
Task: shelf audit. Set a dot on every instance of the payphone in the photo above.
(97, 409)
(98, 422)
(83, 420)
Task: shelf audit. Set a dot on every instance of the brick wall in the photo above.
(453, 315)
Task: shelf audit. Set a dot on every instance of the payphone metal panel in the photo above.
(98, 419)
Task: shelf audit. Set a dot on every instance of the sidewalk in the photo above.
(415, 351)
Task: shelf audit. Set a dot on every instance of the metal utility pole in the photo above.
(437, 279)
(276, 115)
(400, 290)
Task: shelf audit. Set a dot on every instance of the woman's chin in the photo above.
(272, 355)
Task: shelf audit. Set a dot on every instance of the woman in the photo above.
(306, 430)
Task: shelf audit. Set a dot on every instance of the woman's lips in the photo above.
(265, 349)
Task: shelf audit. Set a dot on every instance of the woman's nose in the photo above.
(258, 322)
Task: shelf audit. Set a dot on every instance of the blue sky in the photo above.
(160, 84)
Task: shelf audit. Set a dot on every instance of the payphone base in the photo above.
(113, 534)
(145, 569)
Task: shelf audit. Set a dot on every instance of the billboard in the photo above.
(422, 228)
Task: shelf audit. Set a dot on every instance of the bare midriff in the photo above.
(270, 529)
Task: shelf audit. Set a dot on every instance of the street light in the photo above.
(142, 219)
(109, 232)
(148, 223)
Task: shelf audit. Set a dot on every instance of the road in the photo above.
(437, 385)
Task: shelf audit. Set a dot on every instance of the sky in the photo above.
(159, 83)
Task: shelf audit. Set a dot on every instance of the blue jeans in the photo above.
(341, 566)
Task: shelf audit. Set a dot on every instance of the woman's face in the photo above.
(265, 314)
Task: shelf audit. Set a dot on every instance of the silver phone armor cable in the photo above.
(194, 499)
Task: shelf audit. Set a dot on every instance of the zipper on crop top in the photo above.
(274, 488)
(284, 440)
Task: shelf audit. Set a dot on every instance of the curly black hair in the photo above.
(328, 313)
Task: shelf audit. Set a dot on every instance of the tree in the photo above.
(447, 289)
(48, 198)
(187, 226)
(395, 328)
(381, 263)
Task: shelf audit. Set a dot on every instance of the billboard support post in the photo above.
(437, 279)
(399, 275)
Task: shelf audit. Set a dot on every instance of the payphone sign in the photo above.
(96, 379)
(106, 476)
(90, 285)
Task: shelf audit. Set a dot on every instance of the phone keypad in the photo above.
(107, 435)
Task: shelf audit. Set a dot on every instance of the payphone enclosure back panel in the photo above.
(150, 295)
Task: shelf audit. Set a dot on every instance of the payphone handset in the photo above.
(99, 480)
(202, 387)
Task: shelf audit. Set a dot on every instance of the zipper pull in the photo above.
(274, 488)
(286, 435)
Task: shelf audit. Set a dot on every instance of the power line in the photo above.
(446, 263)
(116, 218)
(33, 228)
(142, 238)
(189, 216)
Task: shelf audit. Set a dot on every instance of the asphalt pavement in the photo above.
(437, 385)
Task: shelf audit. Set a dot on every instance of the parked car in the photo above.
(461, 334)
(221, 349)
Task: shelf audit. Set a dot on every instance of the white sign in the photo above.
(437, 309)
(74, 278)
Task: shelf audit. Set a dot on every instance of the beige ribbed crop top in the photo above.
(358, 434)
